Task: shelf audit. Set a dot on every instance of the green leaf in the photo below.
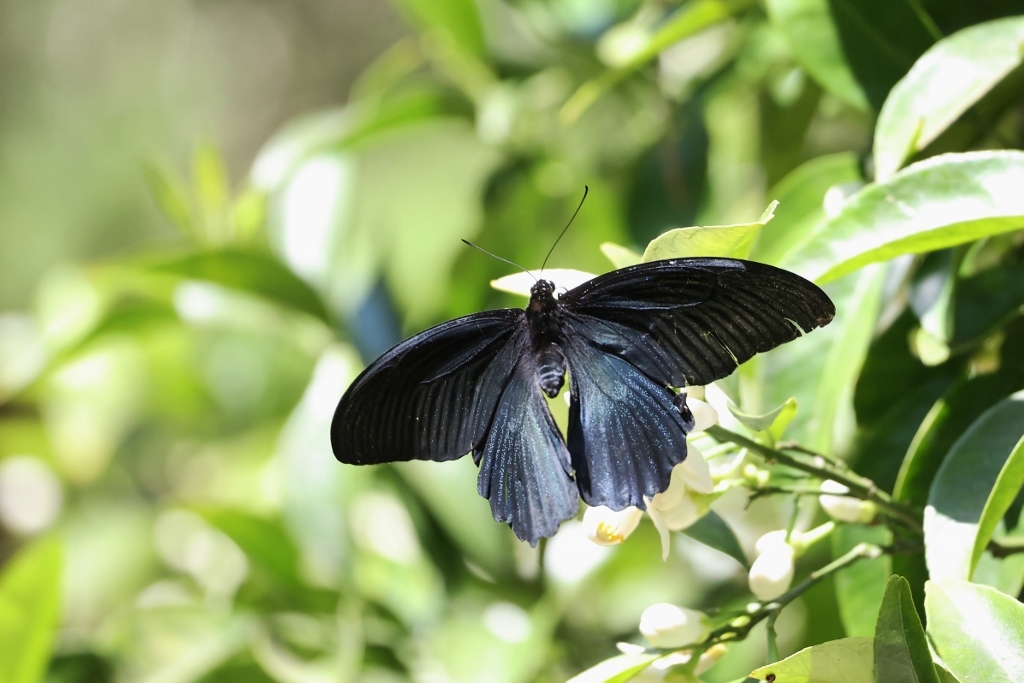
(715, 532)
(248, 271)
(616, 670)
(973, 489)
(733, 241)
(459, 20)
(950, 77)
(848, 660)
(945, 423)
(782, 416)
(859, 588)
(901, 648)
(814, 38)
(620, 256)
(941, 202)
(801, 197)
(263, 541)
(29, 608)
(976, 630)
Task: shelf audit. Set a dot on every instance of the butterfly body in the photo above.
(626, 339)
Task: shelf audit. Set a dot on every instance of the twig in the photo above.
(1001, 549)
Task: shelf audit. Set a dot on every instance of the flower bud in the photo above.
(605, 526)
(668, 626)
(843, 508)
(772, 571)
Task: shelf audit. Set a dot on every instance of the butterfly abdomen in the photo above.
(550, 369)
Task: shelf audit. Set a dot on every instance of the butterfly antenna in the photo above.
(467, 242)
(552, 249)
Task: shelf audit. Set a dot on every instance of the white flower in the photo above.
(668, 626)
(772, 571)
(844, 508)
(682, 503)
(605, 526)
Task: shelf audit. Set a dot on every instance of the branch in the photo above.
(861, 487)
(1001, 549)
(740, 627)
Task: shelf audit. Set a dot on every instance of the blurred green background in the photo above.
(213, 213)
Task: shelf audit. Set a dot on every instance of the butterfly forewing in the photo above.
(431, 397)
(698, 318)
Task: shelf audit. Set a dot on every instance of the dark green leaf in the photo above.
(973, 488)
(713, 531)
(901, 648)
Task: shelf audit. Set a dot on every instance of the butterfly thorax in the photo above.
(544, 317)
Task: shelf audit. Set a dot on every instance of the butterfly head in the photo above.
(542, 290)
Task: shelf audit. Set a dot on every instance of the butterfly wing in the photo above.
(692, 321)
(625, 431)
(525, 470)
(430, 397)
(637, 331)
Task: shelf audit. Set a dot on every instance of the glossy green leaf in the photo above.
(734, 241)
(848, 660)
(985, 300)
(30, 588)
(972, 490)
(801, 196)
(782, 415)
(976, 630)
(620, 256)
(859, 588)
(248, 271)
(715, 532)
(901, 648)
(950, 77)
(941, 202)
(616, 670)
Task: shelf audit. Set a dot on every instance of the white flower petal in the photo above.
(772, 538)
(668, 626)
(695, 471)
(703, 413)
(772, 572)
(605, 526)
(845, 508)
(520, 283)
(659, 524)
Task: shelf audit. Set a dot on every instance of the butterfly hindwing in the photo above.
(625, 432)
(431, 397)
(692, 321)
(524, 465)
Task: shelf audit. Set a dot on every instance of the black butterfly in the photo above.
(626, 338)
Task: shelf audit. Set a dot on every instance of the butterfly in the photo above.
(626, 339)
